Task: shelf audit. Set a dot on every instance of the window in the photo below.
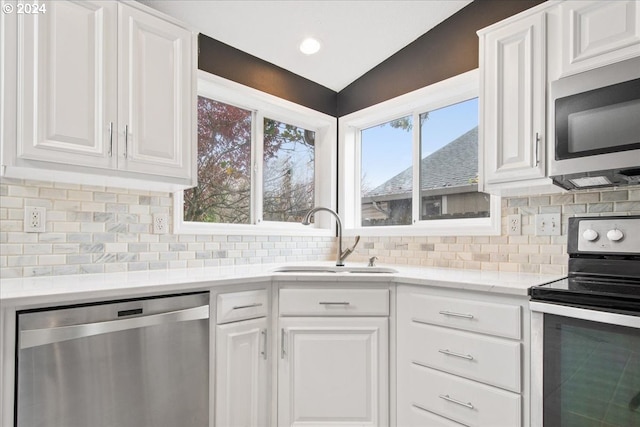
(289, 166)
(223, 194)
(418, 165)
(257, 157)
(449, 163)
(386, 179)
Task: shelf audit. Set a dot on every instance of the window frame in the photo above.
(263, 105)
(438, 95)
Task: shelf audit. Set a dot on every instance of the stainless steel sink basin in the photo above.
(332, 269)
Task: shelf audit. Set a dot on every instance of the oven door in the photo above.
(585, 367)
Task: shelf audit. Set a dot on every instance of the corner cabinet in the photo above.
(463, 358)
(512, 108)
(106, 90)
(333, 365)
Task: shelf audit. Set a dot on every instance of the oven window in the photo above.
(591, 373)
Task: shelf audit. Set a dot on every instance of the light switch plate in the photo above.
(548, 224)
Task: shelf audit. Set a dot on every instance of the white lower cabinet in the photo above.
(242, 360)
(456, 398)
(461, 358)
(333, 368)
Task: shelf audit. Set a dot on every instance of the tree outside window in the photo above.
(225, 145)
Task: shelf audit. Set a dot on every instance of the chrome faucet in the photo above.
(342, 255)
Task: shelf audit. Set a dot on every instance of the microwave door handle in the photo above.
(537, 149)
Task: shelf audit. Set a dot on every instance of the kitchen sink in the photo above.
(333, 269)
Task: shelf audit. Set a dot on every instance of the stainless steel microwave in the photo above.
(597, 127)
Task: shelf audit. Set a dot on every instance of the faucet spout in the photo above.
(341, 255)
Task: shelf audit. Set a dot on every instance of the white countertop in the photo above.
(35, 291)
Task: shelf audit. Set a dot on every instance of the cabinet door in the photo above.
(242, 374)
(155, 95)
(67, 83)
(333, 372)
(598, 33)
(513, 106)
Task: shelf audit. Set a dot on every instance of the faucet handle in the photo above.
(372, 261)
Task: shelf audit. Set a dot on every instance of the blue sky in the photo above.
(386, 151)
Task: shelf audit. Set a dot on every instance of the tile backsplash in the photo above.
(523, 253)
(97, 229)
(101, 230)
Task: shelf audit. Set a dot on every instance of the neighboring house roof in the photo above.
(455, 164)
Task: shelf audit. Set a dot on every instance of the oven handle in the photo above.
(38, 337)
(586, 314)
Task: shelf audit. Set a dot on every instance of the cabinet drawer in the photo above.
(461, 400)
(495, 319)
(493, 361)
(417, 416)
(236, 306)
(334, 302)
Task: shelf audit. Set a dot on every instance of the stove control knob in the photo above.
(590, 235)
(615, 235)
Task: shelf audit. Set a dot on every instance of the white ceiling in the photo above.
(355, 35)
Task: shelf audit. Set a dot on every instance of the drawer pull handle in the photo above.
(457, 402)
(334, 303)
(415, 405)
(460, 355)
(240, 307)
(453, 314)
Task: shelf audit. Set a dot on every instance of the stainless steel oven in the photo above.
(585, 333)
(597, 127)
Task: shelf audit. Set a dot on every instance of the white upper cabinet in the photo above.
(520, 57)
(67, 84)
(106, 94)
(597, 33)
(512, 93)
(155, 94)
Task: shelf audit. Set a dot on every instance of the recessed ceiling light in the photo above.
(309, 46)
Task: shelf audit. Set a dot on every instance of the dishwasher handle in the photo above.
(38, 337)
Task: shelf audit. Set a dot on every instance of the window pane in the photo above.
(449, 165)
(223, 194)
(387, 180)
(289, 173)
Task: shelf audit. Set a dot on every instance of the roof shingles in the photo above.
(453, 165)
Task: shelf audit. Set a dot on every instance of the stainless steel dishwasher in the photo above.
(133, 363)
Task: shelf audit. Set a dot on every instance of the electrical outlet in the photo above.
(548, 224)
(35, 219)
(160, 223)
(514, 225)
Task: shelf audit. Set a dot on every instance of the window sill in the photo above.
(263, 229)
(445, 227)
